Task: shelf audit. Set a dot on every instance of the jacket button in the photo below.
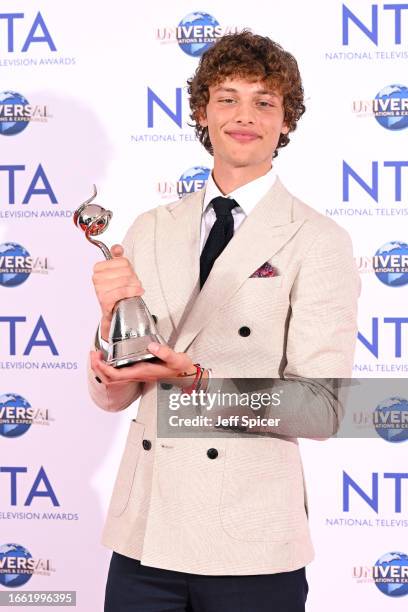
(244, 331)
(166, 386)
(154, 319)
(212, 453)
(147, 445)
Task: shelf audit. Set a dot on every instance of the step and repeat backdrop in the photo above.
(94, 92)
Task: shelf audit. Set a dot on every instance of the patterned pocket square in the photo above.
(265, 271)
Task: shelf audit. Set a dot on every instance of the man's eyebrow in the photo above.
(230, 89)
(268, 92)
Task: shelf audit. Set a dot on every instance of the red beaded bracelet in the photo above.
(192, 387)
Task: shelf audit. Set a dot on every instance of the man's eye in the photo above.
(227, 100)
(265, 103)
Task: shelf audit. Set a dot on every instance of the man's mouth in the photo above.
(243, 136)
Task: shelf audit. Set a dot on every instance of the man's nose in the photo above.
(245, 113)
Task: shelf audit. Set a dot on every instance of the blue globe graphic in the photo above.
(11, 127)
(398, 407)
(19, 274)
(18, 579)
(396, 588)
(12, 429)
(192, 180)
(398, 278)
(190, 44)
(396, 121)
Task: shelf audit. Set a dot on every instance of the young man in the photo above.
(250, 282)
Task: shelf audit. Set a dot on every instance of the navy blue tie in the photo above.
(221, 233)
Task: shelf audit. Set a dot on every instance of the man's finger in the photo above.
(95, 367)
(139, 372)
(111, 264)
(173, 360)
(129, 374)
(96, 357)
(107, 373)
(160, 350)
(117, 250)
(99, 278)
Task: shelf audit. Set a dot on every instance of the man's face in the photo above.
(244, 122)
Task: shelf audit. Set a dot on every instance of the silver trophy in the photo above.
(132, 326)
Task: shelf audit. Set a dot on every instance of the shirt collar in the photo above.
(247, 196)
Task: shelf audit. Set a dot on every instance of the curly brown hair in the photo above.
(251, 57)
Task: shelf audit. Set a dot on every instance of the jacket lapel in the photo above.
(266, 230)
(177, 254)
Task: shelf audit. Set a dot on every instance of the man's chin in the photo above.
(243, 162)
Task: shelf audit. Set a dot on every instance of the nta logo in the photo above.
(38, 33)
(368, 25)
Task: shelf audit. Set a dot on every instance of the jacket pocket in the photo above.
(127, 468)
(262, 497)
(271, 282)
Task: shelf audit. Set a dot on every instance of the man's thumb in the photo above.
(116, 250)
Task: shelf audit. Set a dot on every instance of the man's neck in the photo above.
(228, 178)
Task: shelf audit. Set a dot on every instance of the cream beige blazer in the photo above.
(244, 512)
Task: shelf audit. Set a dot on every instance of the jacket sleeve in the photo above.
(321, 336)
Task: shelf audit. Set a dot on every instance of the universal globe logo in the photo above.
(390, 574)
(389, 107)
(17, 415)
(195, 33)
(16, 264)
(192, 180)
(16, 113)
(391, 419)
(390, 264)
(17, 565)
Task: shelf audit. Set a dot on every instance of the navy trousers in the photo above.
(133, 587)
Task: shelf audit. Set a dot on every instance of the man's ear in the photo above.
(285, 129)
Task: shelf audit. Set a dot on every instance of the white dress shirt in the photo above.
(246, 197)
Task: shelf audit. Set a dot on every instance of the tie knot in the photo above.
(223, 206)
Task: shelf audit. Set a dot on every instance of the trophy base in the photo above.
(132, 350)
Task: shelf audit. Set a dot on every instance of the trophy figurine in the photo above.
(132, 326)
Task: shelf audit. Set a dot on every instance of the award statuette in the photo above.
(132, 326)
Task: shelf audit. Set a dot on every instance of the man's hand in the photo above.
(172, 367)
(114, 280)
